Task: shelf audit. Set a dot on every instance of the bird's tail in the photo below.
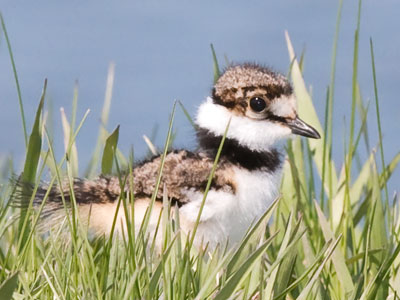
(96, 200)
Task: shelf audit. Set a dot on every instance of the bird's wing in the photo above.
(183, 171)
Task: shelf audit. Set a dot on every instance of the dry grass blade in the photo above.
(307, 112)
(73, 152)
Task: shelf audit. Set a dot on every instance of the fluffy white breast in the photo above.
(228, 216)
(257, 135)
(256, 190)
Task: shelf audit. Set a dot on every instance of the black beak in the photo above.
(300, 127)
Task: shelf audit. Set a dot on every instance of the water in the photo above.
(161, 51)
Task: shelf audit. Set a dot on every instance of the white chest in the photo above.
(255, 192)
(228, 216)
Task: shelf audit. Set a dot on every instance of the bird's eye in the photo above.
(257, 104)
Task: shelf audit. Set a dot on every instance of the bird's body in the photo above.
(260, 108)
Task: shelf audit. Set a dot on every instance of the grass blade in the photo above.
(306, 291)
(307, 111)
(73, 153)
(190, 119)
(31, 162)
(217, 72)
(378, 117)
(8, 286)
(273, 280)
(338, 259)
(104, 120)
(233, 283)
(151, 146)
(21, 106)
(34, 144)
(109, 152)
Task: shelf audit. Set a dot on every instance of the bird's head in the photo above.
(260, 104)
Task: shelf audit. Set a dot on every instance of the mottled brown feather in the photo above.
(183, 170)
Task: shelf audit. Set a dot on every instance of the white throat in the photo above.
(257, 135)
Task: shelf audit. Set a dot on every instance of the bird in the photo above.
(252, 108)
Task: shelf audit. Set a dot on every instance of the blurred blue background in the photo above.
(161, 50)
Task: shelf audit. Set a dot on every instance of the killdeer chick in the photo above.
(261, 109)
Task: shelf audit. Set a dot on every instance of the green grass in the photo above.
(331, 235)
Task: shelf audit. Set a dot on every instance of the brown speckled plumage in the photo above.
(183, 170)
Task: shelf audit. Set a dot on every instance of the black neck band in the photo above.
(238, 154)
